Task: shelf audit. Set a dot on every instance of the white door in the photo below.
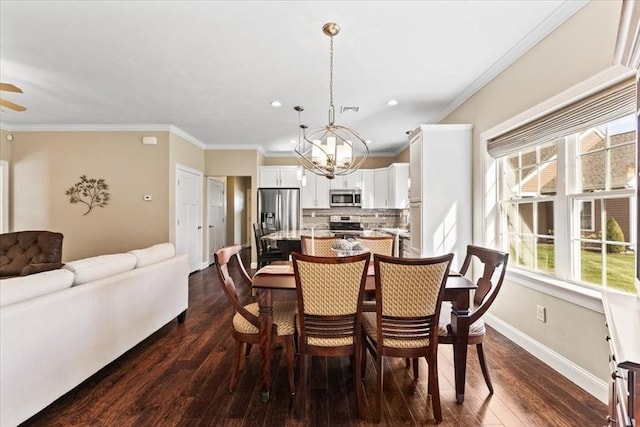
(189, 216)
(216, 213)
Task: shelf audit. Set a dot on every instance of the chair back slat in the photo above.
(494, 267)
(317, 246)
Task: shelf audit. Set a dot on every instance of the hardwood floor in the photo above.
(179, 377)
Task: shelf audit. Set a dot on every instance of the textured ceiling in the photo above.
(211, 68)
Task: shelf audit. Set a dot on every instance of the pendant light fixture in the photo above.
(331, 150)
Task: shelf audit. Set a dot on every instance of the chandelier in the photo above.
(331, 150)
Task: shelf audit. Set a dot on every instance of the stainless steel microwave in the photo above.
(346, 198)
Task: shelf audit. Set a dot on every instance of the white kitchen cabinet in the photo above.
(381, 188)
(441, 205)
(398, 185)
(278, 176)
(350, 182)
(315, 194)
(368, 193)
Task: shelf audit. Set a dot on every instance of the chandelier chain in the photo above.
(331, 73)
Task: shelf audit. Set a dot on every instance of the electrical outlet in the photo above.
(541, 313)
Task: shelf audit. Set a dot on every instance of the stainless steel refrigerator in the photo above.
(279, 209)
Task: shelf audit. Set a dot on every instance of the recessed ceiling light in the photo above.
(276, 104)
(392, 102)
(368, 141)
(293, 141)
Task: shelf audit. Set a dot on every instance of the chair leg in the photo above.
(378, 415)
(302, 387)
(483, 366)
(357, 380)
(434, 387)
(363, 359)
(246, 354)
(416, 372)
(236, 365)
(290, 350)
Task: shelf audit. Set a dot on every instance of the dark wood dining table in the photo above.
(276, 282)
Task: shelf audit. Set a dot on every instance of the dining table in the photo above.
(276, 282)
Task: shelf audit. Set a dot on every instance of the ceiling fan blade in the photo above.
(8, 87)
(8, 104)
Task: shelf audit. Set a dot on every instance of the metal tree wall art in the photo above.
(90, 192)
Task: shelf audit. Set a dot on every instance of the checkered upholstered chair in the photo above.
(330, 292)
(409, 294)
(382, 245)
(318, 246)
(494, 266)
(245, 317)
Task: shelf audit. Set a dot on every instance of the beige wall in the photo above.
(5, 146)
(237, 210)
(580, 48)
(45, 164)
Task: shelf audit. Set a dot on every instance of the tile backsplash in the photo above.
(386, 218)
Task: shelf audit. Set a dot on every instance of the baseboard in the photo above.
(579, 376)
(246, 245)
(254, 266)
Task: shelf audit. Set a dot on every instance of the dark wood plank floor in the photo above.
(179, 377)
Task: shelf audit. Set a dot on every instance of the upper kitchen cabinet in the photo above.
(441, 205)
(351, 181)
(381, 188)
(368, 194)
(399, 186)
(278, 176)
(315, 194)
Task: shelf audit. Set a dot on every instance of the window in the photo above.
(574, 199)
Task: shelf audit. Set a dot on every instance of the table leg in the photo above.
(460, 329)
(266, 325)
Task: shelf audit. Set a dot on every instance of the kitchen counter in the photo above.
(402, 233)
(295, 235)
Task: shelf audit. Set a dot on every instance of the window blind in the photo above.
(614, 102)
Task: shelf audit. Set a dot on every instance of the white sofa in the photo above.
(51, 343)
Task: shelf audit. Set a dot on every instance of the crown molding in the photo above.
(565, 11)
(219, 147)
(187, 136)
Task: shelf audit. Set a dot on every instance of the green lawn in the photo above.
(620, 267)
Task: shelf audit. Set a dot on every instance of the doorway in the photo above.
(216, 213)
(189, 215)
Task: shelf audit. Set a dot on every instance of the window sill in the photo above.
(575, 294)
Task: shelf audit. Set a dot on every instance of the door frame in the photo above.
(224, 211)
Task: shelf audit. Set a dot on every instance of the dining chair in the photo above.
(266, 253)
(409, 294)
(494, 267)
(317, 246)
(382, 245)
(245, 318)
(330, 292)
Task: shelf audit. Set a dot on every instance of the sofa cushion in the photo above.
(89, 269)
(21, 288)
(153, 254)
(21, 251)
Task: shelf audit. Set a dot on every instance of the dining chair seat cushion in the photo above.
(283, 315)
(370, 326)
(475, 329)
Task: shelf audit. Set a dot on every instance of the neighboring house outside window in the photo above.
(585, 179)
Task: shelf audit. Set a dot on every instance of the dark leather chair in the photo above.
(28, 252)
(266, 254)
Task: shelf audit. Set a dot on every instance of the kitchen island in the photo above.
(289, 241)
